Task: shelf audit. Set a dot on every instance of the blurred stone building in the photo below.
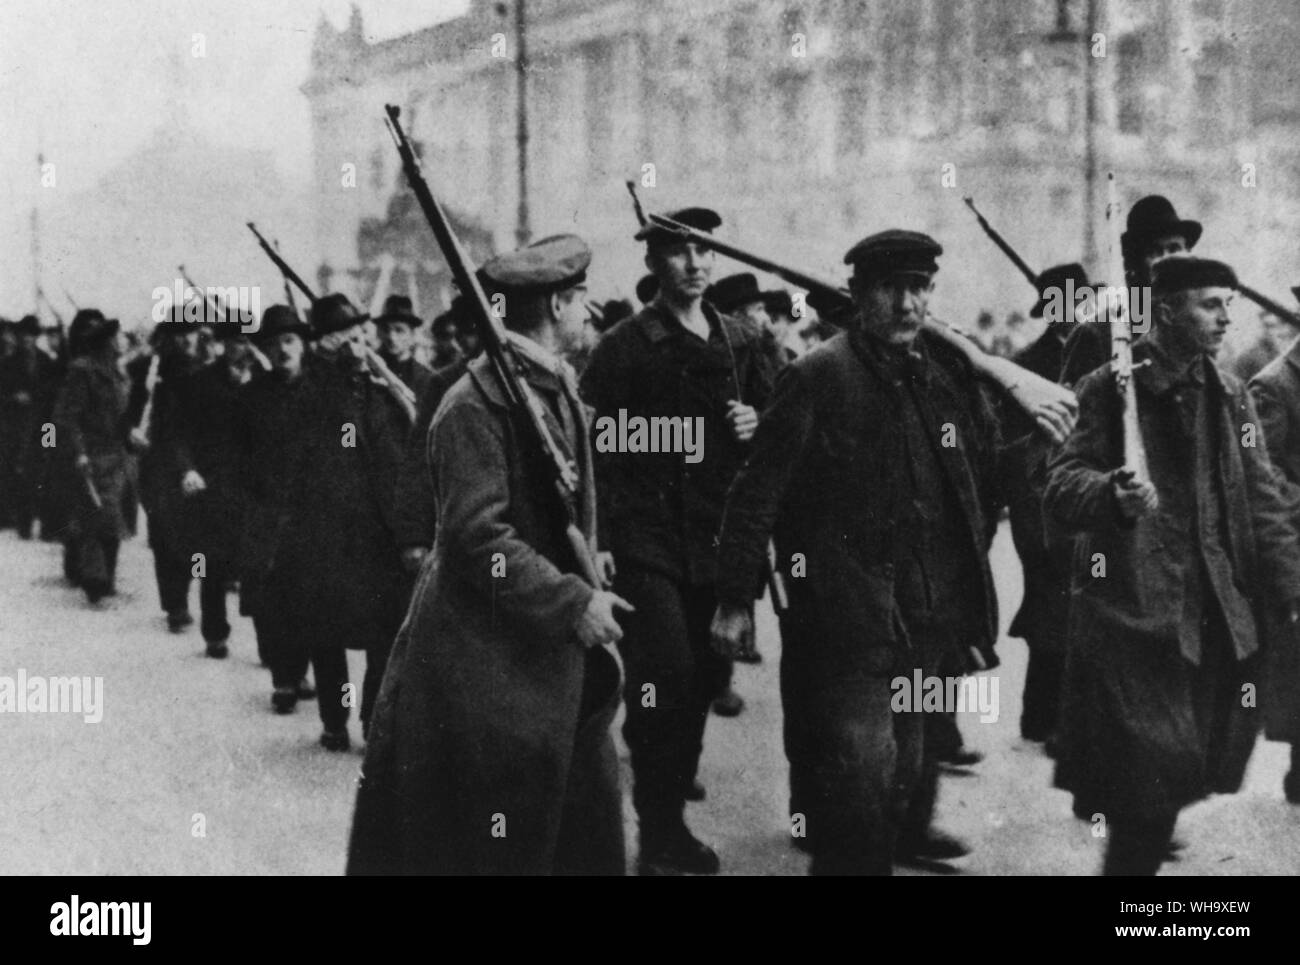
(809, 123)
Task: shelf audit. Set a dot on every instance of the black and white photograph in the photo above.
(651, 437)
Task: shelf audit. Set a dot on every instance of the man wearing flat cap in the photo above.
(1045, 557)
(321, 440)
(491, 750)
(872, 471)
(1154, 231)
(1177, 576)
(677, 358)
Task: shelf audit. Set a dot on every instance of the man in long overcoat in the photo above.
(490, 751)
(1276, 393)
(1174, 575)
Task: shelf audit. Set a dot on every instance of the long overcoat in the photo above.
(1276, 393)
(1130, 742)
(90, 418)
(490, 748)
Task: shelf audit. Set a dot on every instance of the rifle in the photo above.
(1047, 403)
(1266, 303)
(1001, 242)
(58, 317)
(288, 273)
(1121, 342)
(505, 365)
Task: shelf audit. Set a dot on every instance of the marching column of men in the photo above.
(877, 464)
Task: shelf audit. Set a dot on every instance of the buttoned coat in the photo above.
(490, 748)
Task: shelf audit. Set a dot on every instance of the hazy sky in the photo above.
(88, 81)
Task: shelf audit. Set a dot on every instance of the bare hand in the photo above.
(743, 419)
(192, 483)
(139, 438)
(1057, 420)
(83, 465)
(413, 558)
(732, 630)
(605, 567)
(597, 625)
(1136, 499)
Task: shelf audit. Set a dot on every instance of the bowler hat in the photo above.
(279, 319)
(734, 292)
(1055, 278)
(334, 313)
(29, 325)
(1154, 217)
(398, 308)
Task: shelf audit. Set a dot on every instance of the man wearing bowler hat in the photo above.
(491, 750)
(321, 443)
(1154, 231)
(26, 377)
(397, 327)
(873, 470)
(1199, 558)
(676, 358)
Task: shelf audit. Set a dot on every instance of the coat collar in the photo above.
(659, 324)
(1158, 377)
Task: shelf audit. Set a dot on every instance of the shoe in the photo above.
(751, 656)
(306, 691)
(729, 704)
(217, 649)
(961, 757)
(335, 740)
(1291, 786)
(178, 620)
(932, 846)
(677, 853)
(695, 792)
(283, 700)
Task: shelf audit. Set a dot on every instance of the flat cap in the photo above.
(1183, 272)
(550, 265)
(701, 219)
(895, 250)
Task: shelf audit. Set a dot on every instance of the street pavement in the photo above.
(190, 773)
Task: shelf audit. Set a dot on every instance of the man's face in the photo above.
(347, 346)
(683, 269)
(396, 339)
(1277, 333)
(285, 353)
(237, 357)
(183, 345)
(570, 310)
(445, 340)
(467, 338)
(1161, 248)
(1196, 320)
(893, 306)
(757, 313)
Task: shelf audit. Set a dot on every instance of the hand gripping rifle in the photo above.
(1053, 407)
(398, 389)
(1121, 342)
(505, 366)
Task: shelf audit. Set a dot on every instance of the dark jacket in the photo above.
(1045, 557)
(1276, 393)
(415, 510)
(490, 705)
(162, 464)
(318, 523)
(90, 417)
(1131, 743)
(1087, 348)
(657, 510)
(826, 479)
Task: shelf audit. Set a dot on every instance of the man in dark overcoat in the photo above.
(1173, 576)
(25, 379)
(1276, 393)
(321, 572)
(874, 471)
(491, 750)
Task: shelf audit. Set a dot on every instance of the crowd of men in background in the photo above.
(361, 487)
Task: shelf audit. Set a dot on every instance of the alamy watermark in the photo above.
(1087, 303)
(35, 694)
(654, 434)
(234, 305)
(919, 694)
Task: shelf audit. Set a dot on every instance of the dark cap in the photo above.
(735, 291)
(1056, 277)
(646, 289)
(277, 320)
(89, 327)
(780, 303)
(28, 325)
(334, 313)
(1184, 272)
(701, 219)
(398, 308)
(550, 265)
(895, 251)
(176, 322)
(613, 312)
(1154, 217)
